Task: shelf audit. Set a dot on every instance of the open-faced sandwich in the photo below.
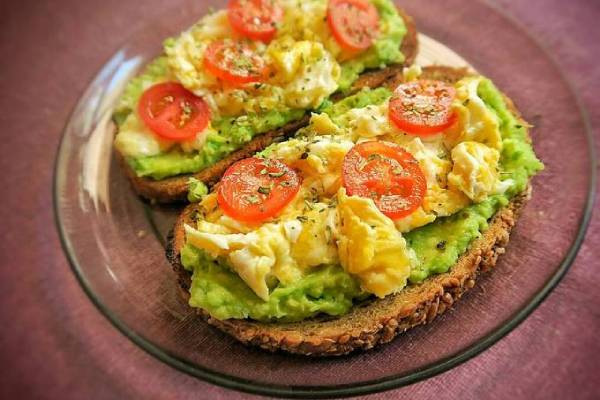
(373, 219)
(244, 76)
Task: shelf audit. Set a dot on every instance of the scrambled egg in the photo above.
(319, 160)
(370, 247)
(476, 121)
(314, 245)
(307, 20)
(254, 255)
(308, 73)
(136, 140)
(475, 170)
(323, 225)
(303, 72)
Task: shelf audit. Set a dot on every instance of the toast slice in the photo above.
(377, 320)
(175, 188)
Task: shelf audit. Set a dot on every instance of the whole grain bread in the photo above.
(377, 320)
(175, 188)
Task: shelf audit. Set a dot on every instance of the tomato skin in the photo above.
(353, 23)
(386, 173)
(255, 189)
(243, 16)
(173, 112)
(234, 62)
(423, 107)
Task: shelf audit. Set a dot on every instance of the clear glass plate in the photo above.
(115, 242)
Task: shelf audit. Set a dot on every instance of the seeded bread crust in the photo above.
(174, 189)
(375, 321)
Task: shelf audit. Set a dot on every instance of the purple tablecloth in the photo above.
(55, 344)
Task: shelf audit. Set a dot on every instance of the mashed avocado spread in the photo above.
(231, 133)
(329, 289)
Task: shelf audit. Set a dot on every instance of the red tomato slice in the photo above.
(173, 112)
(353, 23)
(255, 19)
(423, 107)
(386, 173)
(255, 189)
(234, 62)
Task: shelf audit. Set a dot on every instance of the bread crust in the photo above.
(378, 320)
(175, 189)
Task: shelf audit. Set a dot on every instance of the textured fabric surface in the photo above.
(55, 344)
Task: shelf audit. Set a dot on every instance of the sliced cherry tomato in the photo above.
(386, 173)
(423, 107)
(234, 62)
(255, 19)
(173, 112)
(353, 23)
(255, 189)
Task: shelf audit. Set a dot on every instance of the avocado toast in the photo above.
(246, 117)
(450, 251)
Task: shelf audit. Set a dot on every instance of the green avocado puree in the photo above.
(330, 289)
(327, 289)
(229, 134)
(196, 190)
